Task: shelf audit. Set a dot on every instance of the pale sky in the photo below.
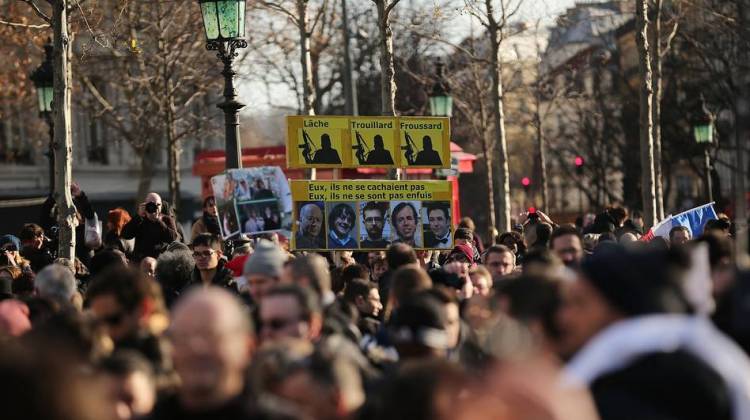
(532, 10)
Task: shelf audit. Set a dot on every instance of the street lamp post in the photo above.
(441, 102)
(703, 132)
(43, 80)
(224, 23)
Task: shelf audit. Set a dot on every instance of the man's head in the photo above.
(439, 217)
(148, 266)
(566, 243)
(310, 271)
(325, 141)
(119, 299)
(721, 226)
(212, 337)
(407, 281)
(418, 328)
(364, 295)
(679, 235)
(263, 268)
(481, 279)
(399, 255)
(154, 198)
(373, 214)
(463, 236)
(499, 260)
(342, 220)
(130, 379)
(404, 220)
(615, 283)
(290, 311)
(450, 304)
(311, 220)
(32, 236)
(206, 251)
(56, 283)
(209, 205)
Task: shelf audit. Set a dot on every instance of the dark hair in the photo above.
(719, 248)
(533, 298)
(517, 238)
(207, 199)
(358, 287)
(497, 249)
(721, 224)
(564, 230)
(315, 268)
(443, 295)
(438, 206)
(29, 231)
(351, 272)
(543, 234)
(619, 214)
(129, 287)
(125, 362)
(340, 210)
(398, 255)
(105, 259)
(676, 229)
(408, 280)
(208, 240)
(467, 223)
(400, 207)
(306, 299)
(381, 206)
(464, 233)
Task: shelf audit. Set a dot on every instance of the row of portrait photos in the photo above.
(372, 225)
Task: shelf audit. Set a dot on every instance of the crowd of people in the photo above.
(573, 321)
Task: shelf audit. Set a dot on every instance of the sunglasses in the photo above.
(204, 254)
(9, 248)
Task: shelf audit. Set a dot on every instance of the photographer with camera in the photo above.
(35, 247)
(151, 229)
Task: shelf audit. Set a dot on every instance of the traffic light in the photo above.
(526, 183)
(579, 165)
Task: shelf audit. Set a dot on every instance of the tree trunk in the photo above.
(656, 106)
(498, 117)
(648, 190)
(490, 188)
(387, 68)
(66, 211)
(146, 174)
(350, 88)
(308, 89)
(541, 143)
(175, 151)
(742, 138)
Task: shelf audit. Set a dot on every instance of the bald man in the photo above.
(213, 342)
(152, 229)
(310, 227)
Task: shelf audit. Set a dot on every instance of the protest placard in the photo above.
(369, 215)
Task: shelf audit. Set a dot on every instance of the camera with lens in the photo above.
(151, 207)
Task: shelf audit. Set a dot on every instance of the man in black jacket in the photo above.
(152, 230)
(210, 267)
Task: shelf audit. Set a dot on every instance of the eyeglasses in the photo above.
(204, 254)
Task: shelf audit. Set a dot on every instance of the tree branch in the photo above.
(23, 25)
(38, 11)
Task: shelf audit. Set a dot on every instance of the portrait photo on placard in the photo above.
(229, 222)
(406, 224)
(310, 225)
(375, 228)
(436, 224)
(342, 225)
(260, 216)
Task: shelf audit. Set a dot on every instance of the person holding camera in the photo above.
(151, 229)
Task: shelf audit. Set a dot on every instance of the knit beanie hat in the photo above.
(267, 260)
(464, 249)
(6, 239)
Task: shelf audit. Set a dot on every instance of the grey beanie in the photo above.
(267, 260)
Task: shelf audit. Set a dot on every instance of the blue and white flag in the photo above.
(694, 219)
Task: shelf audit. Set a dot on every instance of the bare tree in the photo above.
(648, 189)
(387, 68)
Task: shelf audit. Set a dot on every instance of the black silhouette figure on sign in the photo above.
(427, 156)
(326, 154)
(378, 156)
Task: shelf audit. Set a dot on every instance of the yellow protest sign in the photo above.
(350, 142)
(318, 142)
(366, 215)
(425, 142)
